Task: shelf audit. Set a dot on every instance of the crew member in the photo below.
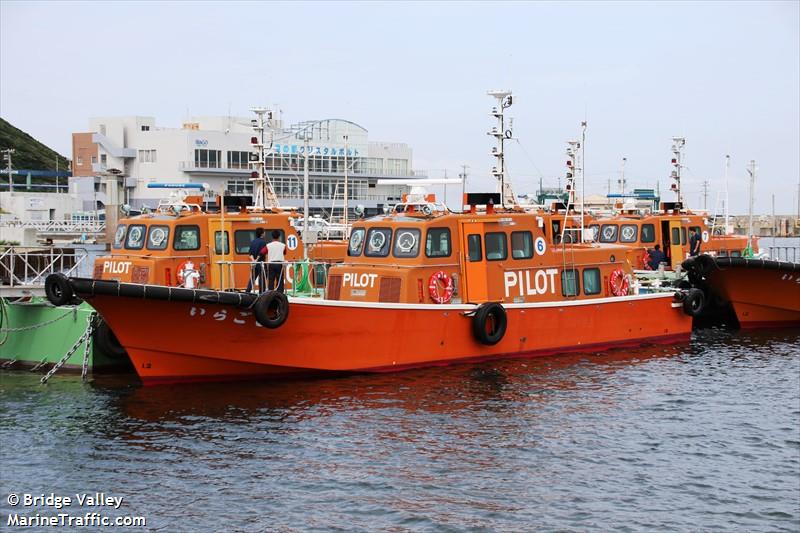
(275, 257)
(656, 257)
(257, 268)
(694, 242)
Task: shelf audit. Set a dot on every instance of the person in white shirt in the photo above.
(275, 257)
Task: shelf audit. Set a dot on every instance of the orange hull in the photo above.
(172, 341)
(761, 297)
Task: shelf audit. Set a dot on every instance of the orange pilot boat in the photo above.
(762, 292)
(420, 286)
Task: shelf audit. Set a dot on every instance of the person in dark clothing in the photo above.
(656, 258)
(257, 269)
(694, 242)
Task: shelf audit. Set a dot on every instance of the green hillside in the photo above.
(30, 154)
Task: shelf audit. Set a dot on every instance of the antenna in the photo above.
(751, 169)
(677, 155)
(263, 193)
(504, 100)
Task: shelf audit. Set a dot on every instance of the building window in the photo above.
(102, 129)
(79, 160)
(103, 159)
(147, 156)
(145, 128)
(238, 159)
(397, 167)
(94, 159)
(240, 187)
(207, 158)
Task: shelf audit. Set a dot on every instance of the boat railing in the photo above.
(25, 267)
(784, 253)
(300, 278)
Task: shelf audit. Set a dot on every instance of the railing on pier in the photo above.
(784, 253)
(58, 226)
(26, 267)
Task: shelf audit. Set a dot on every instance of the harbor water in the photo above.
(698, 436)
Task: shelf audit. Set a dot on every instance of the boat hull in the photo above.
(761, 297)
(177, 341)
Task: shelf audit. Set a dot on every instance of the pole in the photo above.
(445, 187)
(305, 193)
(346, 232)
(463, 185)
(774, 229)
(705, 195)
(56, 173)
(583, 174)
(726, 207)
(7, 156)
(752, 171)
(622, 177)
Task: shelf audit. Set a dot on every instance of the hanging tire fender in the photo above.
(271, 309)
(58, 289)
(105, 339)
(489, 323)
(694, 302)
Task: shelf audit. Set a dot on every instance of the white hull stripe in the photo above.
(471, 307)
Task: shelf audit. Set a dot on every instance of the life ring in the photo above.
(489, 323)
(618, 283)
(443, 296)
(184, 270)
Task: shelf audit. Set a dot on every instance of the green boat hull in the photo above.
(49, 334)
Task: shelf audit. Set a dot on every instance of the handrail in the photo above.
(25, 266)
(64, 226)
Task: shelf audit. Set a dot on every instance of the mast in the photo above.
(725, 201)
(751, 169)
(263, 194)
(584, 124)
(305, 192)
(677, 156)
(500, 133)
(346, 147)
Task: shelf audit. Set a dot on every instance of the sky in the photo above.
(724, 75)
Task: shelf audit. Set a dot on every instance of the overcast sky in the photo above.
(725, 75)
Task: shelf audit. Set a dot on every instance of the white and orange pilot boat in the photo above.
(419, 286)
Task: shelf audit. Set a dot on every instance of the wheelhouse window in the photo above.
(496, 246)
(569, 282)
(135, 240)
(119, 236)
(242, 239)
(628, 233)
(594, 231)
(648, 233)
(378, 240)
(521, 245)
(356, 243)
(437, 242)
(591, 281)
(219, 241)
(157, 237)
(676, 236)
(406, 242)
(608, 233)
(683, 236)
(474, 250)
(186, 238)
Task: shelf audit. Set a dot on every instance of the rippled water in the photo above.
(694, 437)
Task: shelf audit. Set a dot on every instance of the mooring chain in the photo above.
(83, 338)
(35, 326)
(87, 348)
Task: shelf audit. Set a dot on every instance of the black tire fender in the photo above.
(105, 339)
(271, 309)
(58, 289)
(490, 313)
(694, 303)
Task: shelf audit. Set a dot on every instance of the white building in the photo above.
(217, 151)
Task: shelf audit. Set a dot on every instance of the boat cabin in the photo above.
(426, 254)
(183, 240)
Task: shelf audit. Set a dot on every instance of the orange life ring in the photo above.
(179, 274)
(618, 283)
(443, 296)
